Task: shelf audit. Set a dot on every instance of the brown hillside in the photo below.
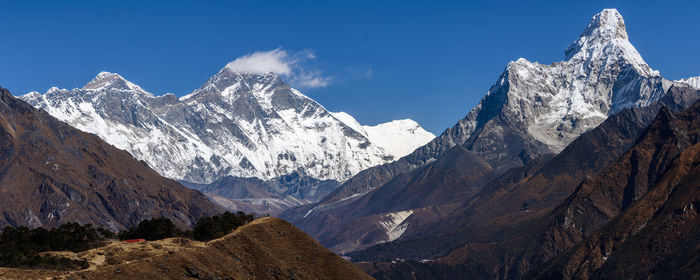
(52, 173)
(267, 248)
(650, 198)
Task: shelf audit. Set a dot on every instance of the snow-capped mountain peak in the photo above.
(606, 24)
(34, 95)
(113, 81)
(692, 81)
(228, 83)
(235, 124)
(551, 105)
(398, 137)
(606, 37)
(54, 90)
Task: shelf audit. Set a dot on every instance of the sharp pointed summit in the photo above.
(113, 81)
(607, 24)
(603, 73)
(228, 82)
(606, 37)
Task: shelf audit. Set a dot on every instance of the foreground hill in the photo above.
(52, 173)
(266, 248)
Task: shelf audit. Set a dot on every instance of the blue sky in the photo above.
(430, 61)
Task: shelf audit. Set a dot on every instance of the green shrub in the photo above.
(217, 226)
(207, 228)
(153, 229)
(20, 246)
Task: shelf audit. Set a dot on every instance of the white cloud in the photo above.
(280, 62)
(275, 61)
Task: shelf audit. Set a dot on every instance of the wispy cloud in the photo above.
(292, 67)
(312, 79)
(368, 73)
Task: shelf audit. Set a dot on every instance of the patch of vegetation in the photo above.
(206, 229)
(153, 229)
(217, 226)
(20, 247)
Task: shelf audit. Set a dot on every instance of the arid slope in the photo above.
(267, 248)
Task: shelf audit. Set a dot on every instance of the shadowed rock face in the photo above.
(638, 218)
(383, 214)
(602, 190)
(52, 173)
(531, 111)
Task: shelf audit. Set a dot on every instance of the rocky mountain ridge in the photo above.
(236, 124)
(247, 127)
(532, 110)
(535, 109)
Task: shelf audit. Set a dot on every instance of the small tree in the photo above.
(209, 228)
(153, 229)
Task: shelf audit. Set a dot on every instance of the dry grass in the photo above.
(267, 248)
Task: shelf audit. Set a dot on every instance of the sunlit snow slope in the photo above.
(236, 124)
